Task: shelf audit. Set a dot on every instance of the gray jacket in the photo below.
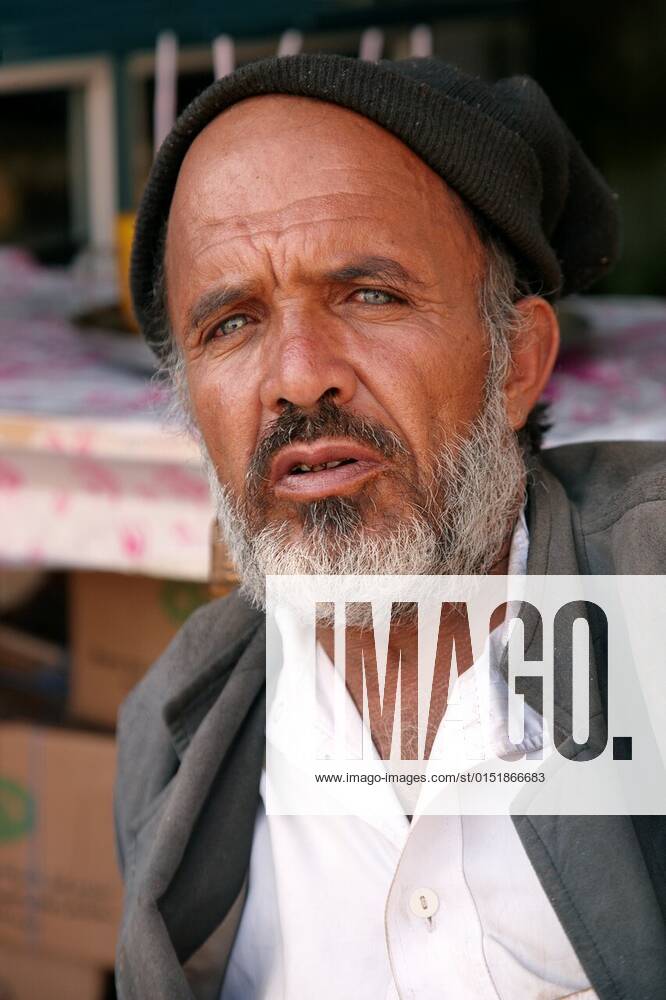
(191, 745)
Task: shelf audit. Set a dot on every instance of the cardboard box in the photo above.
(119, 625)
(31, 975)
(60, 889)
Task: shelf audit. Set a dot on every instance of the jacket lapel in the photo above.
(554, 550)
(591, 867)
(191, 856)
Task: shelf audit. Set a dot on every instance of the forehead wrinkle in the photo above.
(278, 233)
(264, 223)
(282, 219)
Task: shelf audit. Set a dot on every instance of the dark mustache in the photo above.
(295, 425)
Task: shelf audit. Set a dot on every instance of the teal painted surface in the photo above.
(38, 29)
(124, 131)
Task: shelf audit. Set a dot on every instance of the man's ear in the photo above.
(533, 356)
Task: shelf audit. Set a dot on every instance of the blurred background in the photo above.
(105, 520)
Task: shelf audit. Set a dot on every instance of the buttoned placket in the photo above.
(435, 949)
(433, 930)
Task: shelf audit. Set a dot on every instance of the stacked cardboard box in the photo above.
(60, 889)
(119, 626)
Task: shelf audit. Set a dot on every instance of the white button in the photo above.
(424, 903)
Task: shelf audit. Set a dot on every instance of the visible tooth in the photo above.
(319, 468)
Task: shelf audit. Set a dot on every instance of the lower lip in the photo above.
(305, 487)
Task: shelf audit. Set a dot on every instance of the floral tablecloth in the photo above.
(610, 379)
(89, 476)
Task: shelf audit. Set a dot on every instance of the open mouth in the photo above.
(328, 467)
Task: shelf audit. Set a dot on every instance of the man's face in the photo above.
(323, 287)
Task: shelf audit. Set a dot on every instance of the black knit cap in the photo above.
(501, 146)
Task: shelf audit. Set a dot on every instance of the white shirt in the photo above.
(447, 907)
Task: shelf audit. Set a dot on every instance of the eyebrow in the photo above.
(379, 268)
(214, 301)
(217, 299)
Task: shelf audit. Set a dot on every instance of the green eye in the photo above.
(374, 297)
(232, 324)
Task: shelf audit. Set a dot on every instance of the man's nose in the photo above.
(303, 362)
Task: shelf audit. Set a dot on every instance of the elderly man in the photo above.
(348, 270)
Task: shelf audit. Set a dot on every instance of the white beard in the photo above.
(477, 489)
